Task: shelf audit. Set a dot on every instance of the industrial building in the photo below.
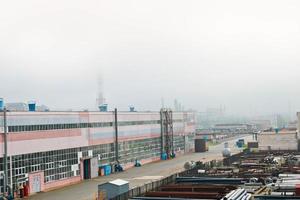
(298, 125)
(283, 140)
(48, 150)
(238, 128)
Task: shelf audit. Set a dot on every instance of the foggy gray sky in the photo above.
(244, 54)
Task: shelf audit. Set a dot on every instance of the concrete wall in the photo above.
(298, 127)
(60, 183)
(280, 141)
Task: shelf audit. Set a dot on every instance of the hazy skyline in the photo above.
(242, 54)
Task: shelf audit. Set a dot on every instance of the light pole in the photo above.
(5, 180)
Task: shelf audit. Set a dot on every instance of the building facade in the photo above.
(48, 150)
(298, 124)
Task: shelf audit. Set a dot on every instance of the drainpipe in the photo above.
(5, 151)
(116, 136)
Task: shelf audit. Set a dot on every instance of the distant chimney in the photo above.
(31, 106)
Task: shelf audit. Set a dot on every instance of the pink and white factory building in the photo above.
(48, 150)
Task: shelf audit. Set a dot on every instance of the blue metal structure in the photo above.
(1, 104)
(103, 108)
(31, 106)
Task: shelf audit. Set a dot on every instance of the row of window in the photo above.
(129, 151)
(58, 164)
(130, 123)
(43, 127)
(61, 176)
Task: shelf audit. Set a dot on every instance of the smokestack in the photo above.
(101, 103)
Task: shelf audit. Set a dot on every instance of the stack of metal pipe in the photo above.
(238, 194)
(285, 183)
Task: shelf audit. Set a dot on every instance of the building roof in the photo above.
(119, 182)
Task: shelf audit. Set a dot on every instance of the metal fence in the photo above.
(140, 191)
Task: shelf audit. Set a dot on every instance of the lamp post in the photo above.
(5, 180)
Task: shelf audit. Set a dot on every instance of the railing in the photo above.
(139, 191)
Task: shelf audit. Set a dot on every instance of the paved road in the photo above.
(87, 189)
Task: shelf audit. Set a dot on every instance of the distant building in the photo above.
(239, 128)
(298, 126)
(292, 126)
(212, 116)
(280, 121)
(42, 108)
(261, 124)
(284, 140)
(18, 106)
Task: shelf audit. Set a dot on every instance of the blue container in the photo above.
(242, 141)
(239, 144)
(31, 106)
(164, 156)
(104, 170)
(107, 170)
(1, 104)
(103, 107)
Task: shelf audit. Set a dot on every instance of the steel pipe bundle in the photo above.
(196, 195)
(289, 176)
(273, 197)
(161, 198)
(222, 189)
(238, 194)
(283, 187)
(206, 180)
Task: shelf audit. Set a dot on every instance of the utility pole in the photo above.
(116, 136)
(5, 150)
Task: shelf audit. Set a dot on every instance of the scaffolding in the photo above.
(167, 134)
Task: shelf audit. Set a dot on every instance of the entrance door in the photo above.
(87, 169)
(36, 183)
